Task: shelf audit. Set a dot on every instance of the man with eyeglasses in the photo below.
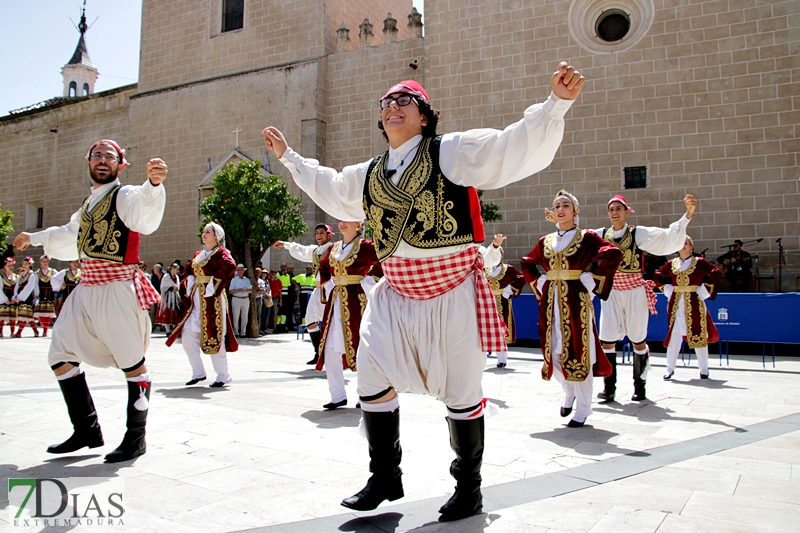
(104, 322)
(430, 321)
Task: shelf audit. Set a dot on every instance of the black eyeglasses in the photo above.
(97, 156)
(402, 100)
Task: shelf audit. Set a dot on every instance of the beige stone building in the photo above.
(692, 96)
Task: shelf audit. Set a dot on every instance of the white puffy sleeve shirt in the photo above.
(481, 158)
(140, 208)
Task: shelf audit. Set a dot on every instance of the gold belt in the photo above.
(497, 292)
(202, 279)
(564, 275)
(685, 288)
(347, 280)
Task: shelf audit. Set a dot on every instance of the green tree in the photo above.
(255, 211)
(6, 228)
(489, 212)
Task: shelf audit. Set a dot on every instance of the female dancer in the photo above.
(688, 281)
(25, 293)
(169, 308)
(348, 273)
(567, 328)
(8, 311)
(44, 310)
(205, 323)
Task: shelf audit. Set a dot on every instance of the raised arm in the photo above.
(338, 193)
(660, 241)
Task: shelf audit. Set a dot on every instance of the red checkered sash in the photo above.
(95, 272)
(628, 282)
(425, 279)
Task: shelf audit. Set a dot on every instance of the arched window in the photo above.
(85, 89)
(73, 89)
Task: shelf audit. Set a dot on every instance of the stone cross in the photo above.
(237, 131)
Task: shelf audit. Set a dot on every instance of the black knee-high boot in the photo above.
(133, 444)
(385, 483)
(86, 429)
(610, 382)
(466, 439)
(315, 343)
(639, 367)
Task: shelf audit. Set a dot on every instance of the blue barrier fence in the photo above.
(756, 317)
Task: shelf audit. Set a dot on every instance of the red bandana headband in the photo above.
(620, 199)
(113, 144)
(409, 87)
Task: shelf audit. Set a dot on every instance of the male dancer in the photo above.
(104, 323)
(314, 254)
(431, 319)
(626, 310)
(44, 309)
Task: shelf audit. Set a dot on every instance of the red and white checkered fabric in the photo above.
(627, 282)
(424, 279)
(95, 272)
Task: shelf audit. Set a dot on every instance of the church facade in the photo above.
(682, 97)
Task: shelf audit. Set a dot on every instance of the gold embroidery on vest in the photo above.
(339, 268)
(630, 252)
(390, 214)
(575, 370)
(93, 226)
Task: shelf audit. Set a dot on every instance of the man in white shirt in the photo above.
(625, 313)
(240, 290)
(104, 322)
(432, 318)
(312, 253)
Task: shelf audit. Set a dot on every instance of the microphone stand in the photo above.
(780, 264)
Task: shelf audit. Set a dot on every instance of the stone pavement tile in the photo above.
(752, 467)
(769, 489)
(713, 481)
(629, 520)
(177, 465)
(674, 523)
(750, 511)
(630, 493)
(796, 473)
(163, 496)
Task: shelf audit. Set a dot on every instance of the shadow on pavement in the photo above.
(343, 417)
(649, 411)
(574, 437)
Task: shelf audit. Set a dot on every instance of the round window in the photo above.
(613, 25)
(608, 26)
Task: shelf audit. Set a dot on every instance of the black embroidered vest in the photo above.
(424, 209)
(632, 255)
(102, 235)
(318, 254)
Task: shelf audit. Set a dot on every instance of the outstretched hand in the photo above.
(550, 216)
(691, 205)
(156, 171)
(567, 82)
(274, 140)
(498, 240)
(22, 241)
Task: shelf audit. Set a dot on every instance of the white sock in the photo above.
(140, 377)
(76, 371)
(382, 407)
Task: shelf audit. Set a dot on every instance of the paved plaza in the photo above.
(717, 455)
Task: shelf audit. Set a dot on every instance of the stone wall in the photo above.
(707, 100)
(42, 156)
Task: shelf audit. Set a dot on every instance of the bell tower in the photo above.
(79, 73)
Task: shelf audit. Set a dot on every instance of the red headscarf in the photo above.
(113, 144)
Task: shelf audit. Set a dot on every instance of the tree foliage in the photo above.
(489, 212)
(255, 211)
(6, 228)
